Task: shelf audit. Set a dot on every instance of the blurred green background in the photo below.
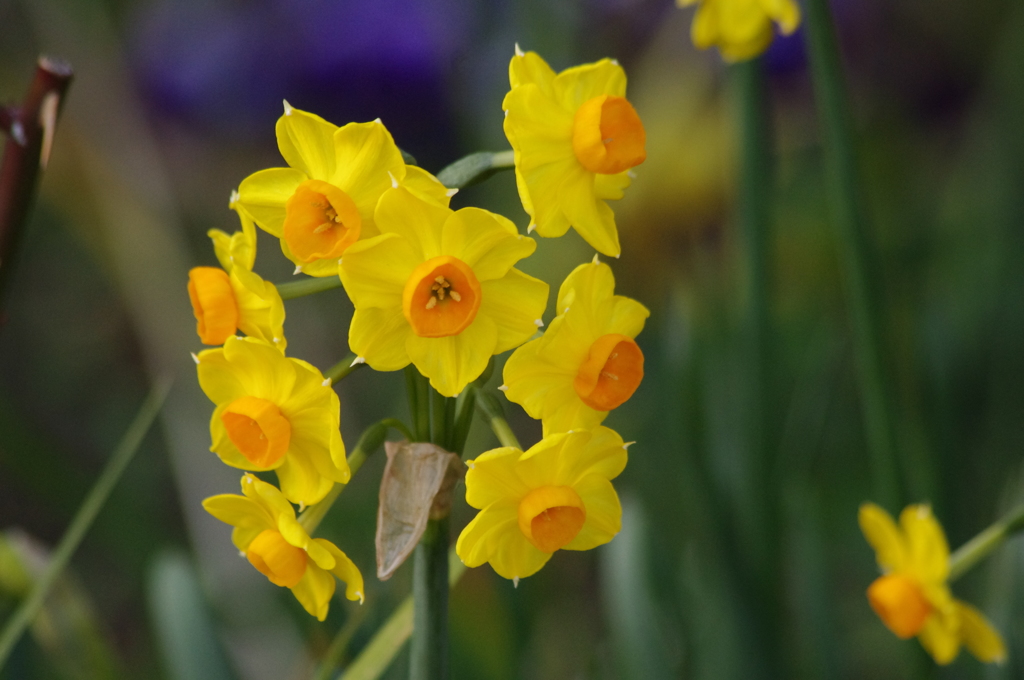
(174, 103)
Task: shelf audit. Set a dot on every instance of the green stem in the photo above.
(438, 407)
(465, 406)
(307, 286)
(429, 651)
(857, 257)
(371, 440)
(334, 653)
(979, 547)
(419, 403)
(495, 415)
(83, 519)
(381, 650)
(475, 168)
(343, 368)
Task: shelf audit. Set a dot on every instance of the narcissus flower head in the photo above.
(270, 537)
(912, 597)
(575, 137)
(741, 29)
(586, 363)
(557, 495)
(235, 298)
(437, 288)
(324, 201)
(274, 413)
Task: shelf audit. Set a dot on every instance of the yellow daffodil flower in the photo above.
(912, 597)
(741, 29)
(324, 201)
(575, 137)
(586, 363)
(274, 413)
(268, 534)
(438, 288)
(555, 496)
(235, 298)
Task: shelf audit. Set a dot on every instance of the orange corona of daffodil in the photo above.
(235, 298)
(557, 495)
(575, 137)
(324, 201)
(586, 363)
(274, 413)
(741, 29)
(912, 596)
(268, 534)
(437, 288)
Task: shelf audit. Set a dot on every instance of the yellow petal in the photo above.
(611, 187)
(491, 477)
(487, 242)
(225, 449)
(367, 161)
(270, 497)
(927, 550)
(530, 68)
(420, 222)
(453, 362)
(576, 85)
(564, 459)
(346, 570)
(374, 272)
(300, 481)
(704, 30)
(538, 127)
(604, 513)
(305, 141)
(217, 378)
(379, 337)
(786, 13)
(314, 591)
(260, 308)
(425, 186)
(494, 536)
(884, 536)
(941, 637)
(980, 638)
(260, 369)
(515, 303)
(590, 216)
(239, 511)
(263, 195)
(242, 537)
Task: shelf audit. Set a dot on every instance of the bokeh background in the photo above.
(174, 103)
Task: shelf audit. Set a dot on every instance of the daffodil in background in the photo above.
(912, 596)
(557, 495)
(741, 29)
(438, 288)
(274, 413)
(575, 138)
(587, 362)
(324, 201)
(270, 537)
(235, 298)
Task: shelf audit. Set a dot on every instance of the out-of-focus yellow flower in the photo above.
(324, 202)
(274, 413)
(586, 363)
(235, 298)
(268, 534)
(575, 137)
(558, 495)
(438, 288)
(912, 597)
(741, 29)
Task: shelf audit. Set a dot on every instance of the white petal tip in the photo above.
(339, 261)
(234, 198)
(569, 431)
(506, 113)
(277, 340)
(287, 107)
(471, 465)
(298, 270)
(394, 182)
(529, 229)
(539, 323)
(358, 360)
(241, 553)
(627, 445)
(596, 259)
(362, 598)
(615, 61)
(378, 120)
(302, 506)
(195, 357)
(451, 192)
(519, 51)
(515, 582)
(630, 174)
(503, 388)
(326, 382)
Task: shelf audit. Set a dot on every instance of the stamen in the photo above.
(431, 302)
(323, 227)
(610, 376)
(455, 296)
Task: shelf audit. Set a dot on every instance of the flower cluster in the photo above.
(438, 289)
